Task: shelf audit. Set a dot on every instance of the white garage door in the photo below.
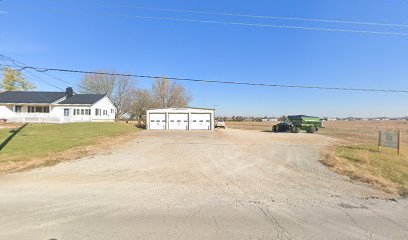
(201, 121)
(178, 121)
(157, 121)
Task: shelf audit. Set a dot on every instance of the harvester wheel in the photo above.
(296, 130)
(311, 130)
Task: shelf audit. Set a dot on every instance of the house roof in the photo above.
(37, 97)
(30, 97)
(83, 99)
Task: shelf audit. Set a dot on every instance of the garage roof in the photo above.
(180, 109)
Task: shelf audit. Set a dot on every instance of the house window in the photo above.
(82, 112)
(97, 111)
(112, 111)
(17, 109)
(77, 111)
(66, 112)
(86, 111)
(32, 109)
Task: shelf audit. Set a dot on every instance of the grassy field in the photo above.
(357, 155)
(49, 141)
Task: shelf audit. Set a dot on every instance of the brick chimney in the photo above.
(69, 91)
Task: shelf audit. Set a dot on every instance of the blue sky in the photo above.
(86, 35)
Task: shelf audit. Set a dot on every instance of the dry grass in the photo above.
(383, 169)
(357, 155)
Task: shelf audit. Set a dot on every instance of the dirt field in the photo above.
(355, 131)
(231, 184)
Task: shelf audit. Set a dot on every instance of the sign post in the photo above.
(399, 141)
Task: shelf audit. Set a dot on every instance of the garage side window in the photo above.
(66, 112)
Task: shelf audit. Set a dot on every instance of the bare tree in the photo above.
(168, 94)
(118, 88)
(141, 101)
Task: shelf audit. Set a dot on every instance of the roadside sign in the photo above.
(390, 139)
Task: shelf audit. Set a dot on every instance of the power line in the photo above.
(42, 80)
(261, 25)
(263, 16)
(20, 64)
(277, 26)
(45, 81)
(17, 62)
(39, 69)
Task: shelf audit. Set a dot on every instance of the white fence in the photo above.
(35, 119)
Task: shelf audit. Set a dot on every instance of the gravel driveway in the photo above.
(224, 184)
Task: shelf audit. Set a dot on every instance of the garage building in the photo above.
(180, 119)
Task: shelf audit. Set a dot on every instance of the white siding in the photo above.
(6, 112)
(104, 105)
(56, 115)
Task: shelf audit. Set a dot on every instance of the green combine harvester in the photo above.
(299, 122)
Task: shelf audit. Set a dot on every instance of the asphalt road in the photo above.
(231, 184)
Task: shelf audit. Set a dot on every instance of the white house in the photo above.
(180, 119)
(55, 107)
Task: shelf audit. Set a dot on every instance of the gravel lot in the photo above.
(225, 184)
